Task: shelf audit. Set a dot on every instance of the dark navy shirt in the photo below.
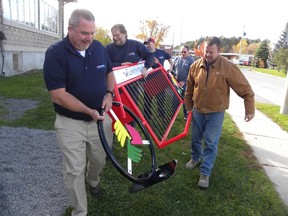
(83, 77)
(161, 55)
(132, 51)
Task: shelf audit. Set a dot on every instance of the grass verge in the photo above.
(273, 112)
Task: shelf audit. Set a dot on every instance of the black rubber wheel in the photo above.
(135, 161)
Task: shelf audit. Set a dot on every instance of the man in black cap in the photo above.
(159, 55)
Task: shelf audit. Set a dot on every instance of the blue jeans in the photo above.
(207, 127)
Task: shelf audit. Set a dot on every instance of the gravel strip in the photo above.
(15, 108)
(31, 170)
(31, 180)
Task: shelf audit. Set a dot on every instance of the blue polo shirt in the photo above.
(182, 67)
(132, 51)
(83, 77)
(161, 55)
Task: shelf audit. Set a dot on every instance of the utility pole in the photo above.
(284, 106)
(243, 35)
(181, 42)
(173, 41)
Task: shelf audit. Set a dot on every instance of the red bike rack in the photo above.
(154, 99)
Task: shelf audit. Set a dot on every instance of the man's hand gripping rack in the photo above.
(144, 110)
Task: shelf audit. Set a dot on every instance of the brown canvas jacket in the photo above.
(213, 96)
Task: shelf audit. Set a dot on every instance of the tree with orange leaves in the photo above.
(199, 49)
(151, 28)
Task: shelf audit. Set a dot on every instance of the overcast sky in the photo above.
(189, 20)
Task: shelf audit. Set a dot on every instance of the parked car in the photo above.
(247, 63)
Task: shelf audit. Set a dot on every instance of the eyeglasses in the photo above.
(184, 52)
(117, 35)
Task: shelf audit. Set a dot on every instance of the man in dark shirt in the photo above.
(160, 56)
(79, 77)
(124, 51)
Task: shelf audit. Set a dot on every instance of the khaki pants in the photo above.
(80, 140)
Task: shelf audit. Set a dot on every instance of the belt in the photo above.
(88, 120)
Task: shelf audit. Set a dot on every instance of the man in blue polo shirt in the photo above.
(181, 66)
(79, 77)
(160, 56)
(124, 51)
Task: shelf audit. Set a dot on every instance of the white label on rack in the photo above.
(127, 73)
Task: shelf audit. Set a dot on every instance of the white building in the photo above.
(27, 28)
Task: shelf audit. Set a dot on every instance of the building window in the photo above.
(28, 12)
(17, 62)
(23, 11)
(49, 16)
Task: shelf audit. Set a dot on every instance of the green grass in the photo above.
(266, 71)
(273, 112)
(270, 110)
(238, 184)
(28, 86)
(270, 71)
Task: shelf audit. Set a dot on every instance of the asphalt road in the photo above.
(267, 88)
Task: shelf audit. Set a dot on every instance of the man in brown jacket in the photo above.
(207, 94)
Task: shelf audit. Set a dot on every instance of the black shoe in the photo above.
(95, 191)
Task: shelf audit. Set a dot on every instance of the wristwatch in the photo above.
(111, 92)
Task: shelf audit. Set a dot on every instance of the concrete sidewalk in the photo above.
(268, 141)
